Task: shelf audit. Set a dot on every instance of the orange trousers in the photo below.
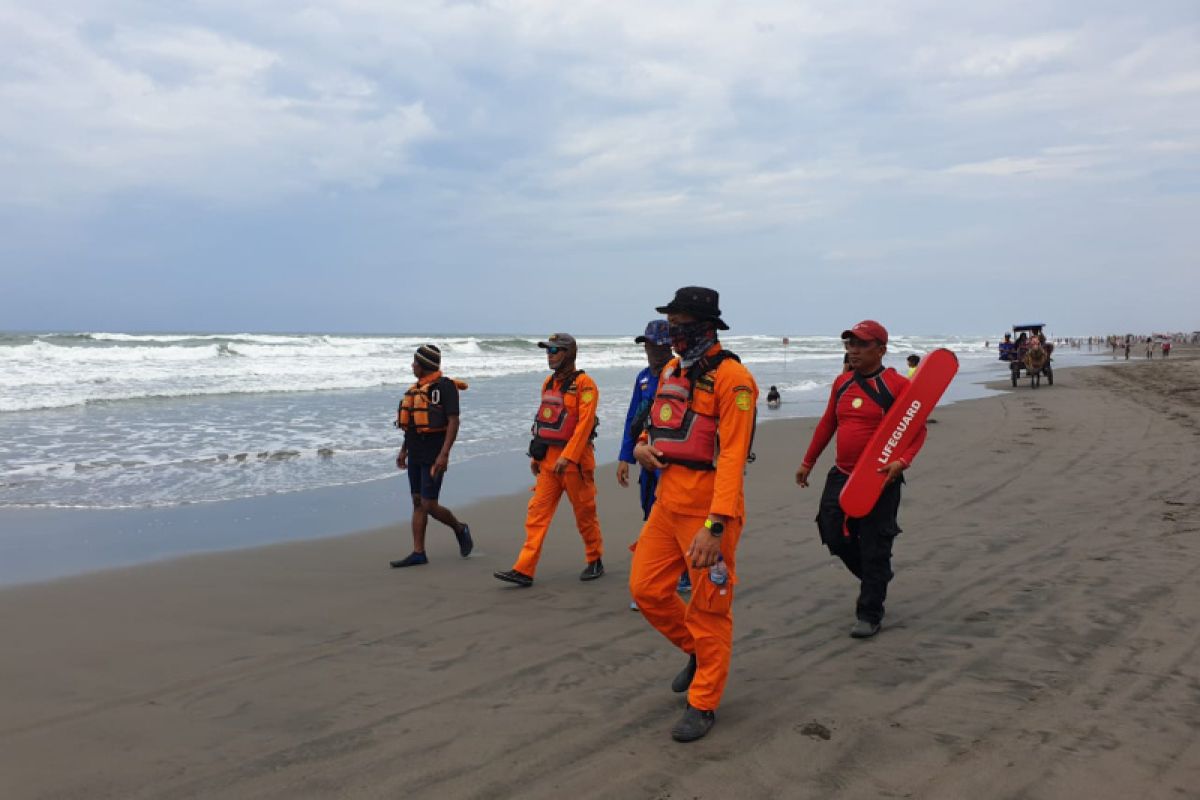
(705, 625)
(580, 486)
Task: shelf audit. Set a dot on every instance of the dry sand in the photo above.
(1041, 641)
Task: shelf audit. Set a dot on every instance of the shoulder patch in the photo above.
(588, 395)
(743, 399)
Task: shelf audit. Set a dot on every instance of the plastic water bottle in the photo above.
(718, 573)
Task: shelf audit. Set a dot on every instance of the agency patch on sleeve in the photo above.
(589, 396)
(743, 400)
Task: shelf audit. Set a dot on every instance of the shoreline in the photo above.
(61, 543)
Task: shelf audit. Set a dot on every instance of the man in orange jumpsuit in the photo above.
(563, 459)
(701, 429)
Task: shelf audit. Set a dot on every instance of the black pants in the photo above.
(867, 551)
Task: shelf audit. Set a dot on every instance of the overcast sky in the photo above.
(408, 166)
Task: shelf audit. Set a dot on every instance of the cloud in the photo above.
(188, 110)
(599, 96)
(529, 129)
(1052, 162)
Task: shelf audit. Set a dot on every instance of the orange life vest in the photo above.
(680, 433)
(421, 408)
(555, 423)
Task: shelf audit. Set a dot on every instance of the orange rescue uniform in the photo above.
(686, 497)
(578, 481)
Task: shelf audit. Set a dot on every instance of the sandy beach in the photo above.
(1040, 641)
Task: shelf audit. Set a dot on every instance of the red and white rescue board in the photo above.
(900, 424)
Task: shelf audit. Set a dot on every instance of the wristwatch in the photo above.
(715, 528)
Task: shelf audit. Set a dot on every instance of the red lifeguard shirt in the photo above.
(855, 410)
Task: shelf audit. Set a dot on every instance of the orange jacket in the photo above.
(582, 399)
(730, 394)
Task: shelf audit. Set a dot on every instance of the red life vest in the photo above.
(555, 423)
(678, 431)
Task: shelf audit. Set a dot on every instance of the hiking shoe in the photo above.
(685, 584)
(864, 630)
(684, 679)
(411, 560)
(694, 724)
(593, 570)
(465, 543)
(512, 576)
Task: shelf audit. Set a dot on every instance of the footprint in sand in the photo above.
(815, 730)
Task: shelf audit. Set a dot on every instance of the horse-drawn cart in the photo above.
(1029, 352)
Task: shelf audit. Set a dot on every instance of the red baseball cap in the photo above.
(867, 330)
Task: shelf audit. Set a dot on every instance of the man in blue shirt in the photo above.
(657, 341)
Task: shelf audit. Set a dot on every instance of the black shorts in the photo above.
(421, 481)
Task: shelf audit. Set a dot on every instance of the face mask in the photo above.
(657, 358)
(691, 339)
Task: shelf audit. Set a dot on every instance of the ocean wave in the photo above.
(46, 372)
(171, 500)
(501, 345)
(47, 401)
(49, 353)
(797, 386)
(113, 483)
(320, 414)
(173, 338)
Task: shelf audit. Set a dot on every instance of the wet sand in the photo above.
(1040, 641)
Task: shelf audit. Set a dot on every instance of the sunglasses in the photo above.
(553, 351)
